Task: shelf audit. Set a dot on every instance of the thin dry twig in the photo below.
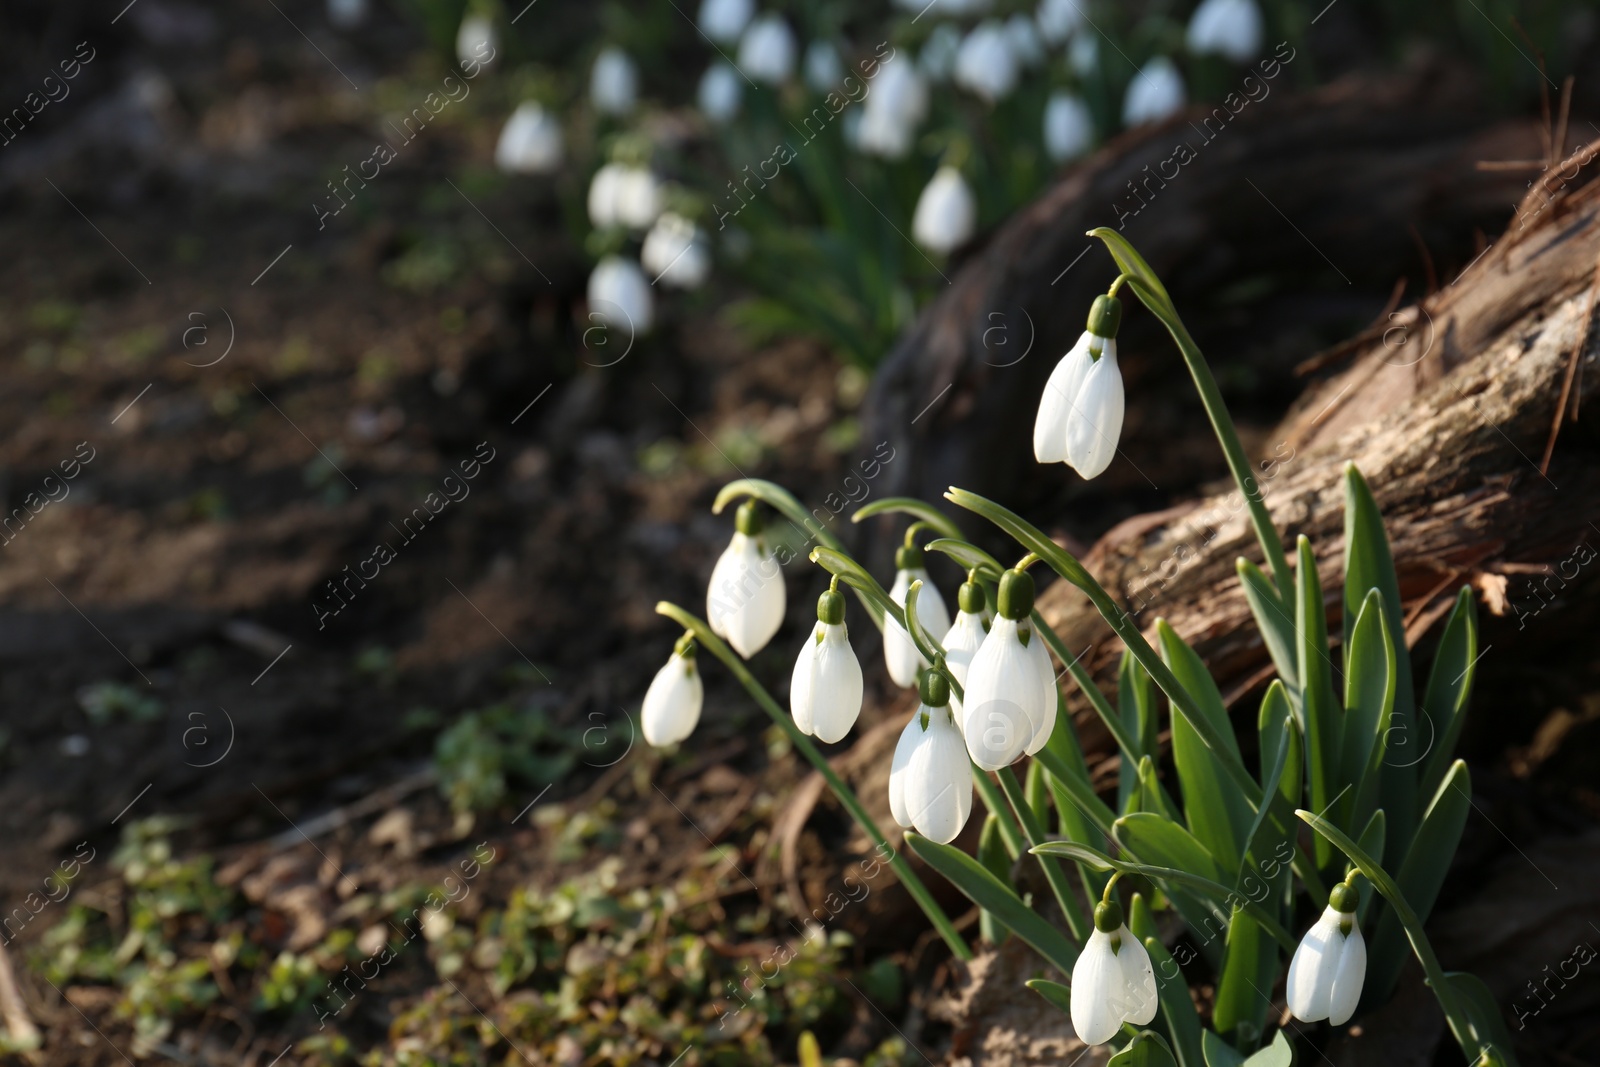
(1573, 359)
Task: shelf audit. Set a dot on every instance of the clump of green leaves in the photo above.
(488, 751)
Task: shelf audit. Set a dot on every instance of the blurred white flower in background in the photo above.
(614, 82)
(676, 252)
(986, 63)
(622, 195)
(1026, 45)
(347, 14)
(619, 296)
(824, 68)
(893, 110)
(1083, 54)
(946, 9)
(938, 56)
(1155, 92)
(1059, 19)
(477, 41)
(720, 91)
(530, 142)
(946, 212)
(767, 50)
(1068, 127)
(725, 20)
(1229, 28)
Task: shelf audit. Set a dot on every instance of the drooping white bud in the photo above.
(1112, 983)
(619, 296)
(477, 41)
(530, 142)
(1068, 127)
(825, 689)
(676, 253)
(1330, 966)
(745, 599)
(767, 50)
(1155, 92)
(900, 653)
(1228, 28)
(1058, 19)
(946, 212)
(720, 92)
(1080, 413)
(673, 701)
(614, 82)
(824, 68)
(724, 20)
(986, 63)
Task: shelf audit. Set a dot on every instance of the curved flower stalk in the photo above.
(672, 703)
(825, 689)
(1112, 982)
(745, 600)
(1330, 965)
(847, 797)
(930, 780)
(1080, 412)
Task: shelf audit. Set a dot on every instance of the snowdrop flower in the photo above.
(530, 142)
(672, 703)
(899, 652)
(1229, 28)
(1329, 967)
(1083, 54)
(725, 20)
(614, 82)
(766, 51)
(1026, 44)
(965, 636)
(896, 106)
(938, 56)
(1068, 127)
(824, 68)
(1010, 706)
(619, 296)
(1080, 413)
(676, 252)
(945, 212)
(1058, 19)
(1155, 92)
(825, 689)
(745, 600)
(347, 14)
(986, 64)
(621, 195)
(720, 92)
(477, 41)
(930, 780)
(1112, 982)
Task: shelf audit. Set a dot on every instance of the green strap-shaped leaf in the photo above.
(1369, 565)
(1034, 787)
(1444, 704)
(1218, 1052)
(1488, 1025)
(989, 893)
(1177, 1007)
(1271, 852)
(995, 859)
(1148, 1049)
(1320, 711)
(1136, 707)
(1249, 964)
(1148, 795)
(1275, 622)
(1371, 840)
(1274, 719)
(1056, 993)
(905, 505)
(1278, 1054)
(1421, 876)
(1155, 839)
(1369, 688)
(1218, 817)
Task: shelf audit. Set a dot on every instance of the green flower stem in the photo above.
(919, 892)
(1113, 722)
(1143, 281)
(1077, 920)
(1454, 1012)
(921, 510)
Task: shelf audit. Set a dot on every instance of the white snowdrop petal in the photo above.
(802, 704)
(836, 685)
(1000, 714)
(613, 82)
(720, 92)
(1230, 28)
(1345, 990)
(1097, 979)
(1096, 422)
(1056, 403)
(672, 703)
(1310, 983)
(938, 789)
(619, 297)
(931, 610)
(767, 50)
(1058, 19)
(900, 653)
(1139, 979)
(477, 41)
(898, 767)
(1068, 127)
(1156, 92)
(745, 598)
(945, 214)
(724, 20)
(530, 142)
(986, 62)
(1044, 669)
